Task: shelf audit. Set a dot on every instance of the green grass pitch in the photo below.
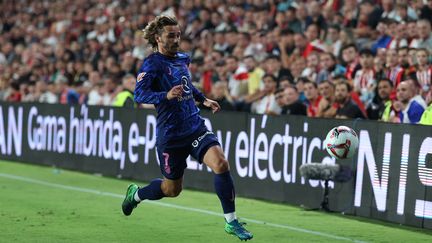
(42, 204)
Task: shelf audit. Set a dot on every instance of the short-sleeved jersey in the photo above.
(179, 117)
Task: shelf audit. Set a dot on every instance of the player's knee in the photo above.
(221, 166)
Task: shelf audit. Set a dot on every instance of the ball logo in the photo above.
(341, 142)
(185, 84)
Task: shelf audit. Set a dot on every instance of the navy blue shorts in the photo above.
(173, 155)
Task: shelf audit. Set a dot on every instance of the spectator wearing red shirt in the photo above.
(394, 71)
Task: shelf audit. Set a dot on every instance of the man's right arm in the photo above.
(143, 93)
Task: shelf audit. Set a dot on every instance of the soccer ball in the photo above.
(341, 142)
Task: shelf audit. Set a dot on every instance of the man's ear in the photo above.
(158, 38)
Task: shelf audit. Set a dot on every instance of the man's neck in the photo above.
(423, 67)
(344, 102)
(167, 54)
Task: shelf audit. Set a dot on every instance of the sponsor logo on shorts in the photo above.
(196, 142)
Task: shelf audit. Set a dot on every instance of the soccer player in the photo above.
(165, 81)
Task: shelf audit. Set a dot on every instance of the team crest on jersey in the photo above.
(185, 83)
(141, 76)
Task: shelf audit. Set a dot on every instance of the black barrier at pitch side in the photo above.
(393, 164)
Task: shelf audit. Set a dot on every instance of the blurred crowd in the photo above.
(367, 59)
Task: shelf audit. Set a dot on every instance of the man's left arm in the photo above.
(198, 96)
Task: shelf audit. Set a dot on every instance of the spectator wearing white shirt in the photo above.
(364, 80)
(267, 104)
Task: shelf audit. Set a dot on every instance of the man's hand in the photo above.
(213, 105)
(175, 92)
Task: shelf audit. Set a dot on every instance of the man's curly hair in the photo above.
(155, 27)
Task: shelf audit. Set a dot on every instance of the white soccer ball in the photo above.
(341, 142)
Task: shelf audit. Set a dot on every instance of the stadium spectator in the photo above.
(364, 79)
(267, 104)
(403, 60)
(292, 104)
(333, 41)
(125, 98)
(273, 66)
(346, 108)
(426, 118)
(221, 95)
(398, 34)
(110, 90)
(313, 98)
(424, 74)
(286, 46)
(351, 60)
(238, 78)
(389, 10)
(411, 105)
(293, 22)
(329, 68)
(381, 106)
(255, 74)
(424, 39)
(47, 92)
(383, 40)
(327, 107)
(394, 72)
(312, 67)
(300, 88)
(285, 82)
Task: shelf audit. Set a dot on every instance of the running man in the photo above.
(165, 81)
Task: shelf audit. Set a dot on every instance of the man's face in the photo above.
(384, 90)
(326, 61)
(312, 60)
(169, 40)
(404, 92)
(326, 90)
(366, 61)
(422, 57)
(130, 83)
(403, 57)
(392, 57)
(250, 64)
(269, 83)
(424, 29)
(310, 91)
(312, 32)
(231, 64)
(299, 41)
(349, 54)
(341, 93)
(412, 29)
(272, 65)
(280, 99)
(333, 34)
(218, 90)
(291, 95)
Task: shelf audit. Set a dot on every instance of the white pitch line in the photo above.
(169, 205)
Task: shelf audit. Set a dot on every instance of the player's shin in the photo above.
(224, 187)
